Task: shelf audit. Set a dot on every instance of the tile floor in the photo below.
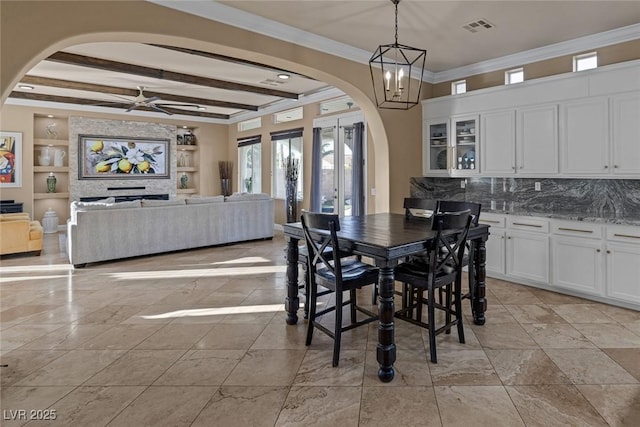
(198, 338)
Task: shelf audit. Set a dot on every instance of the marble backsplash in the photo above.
(611, 200)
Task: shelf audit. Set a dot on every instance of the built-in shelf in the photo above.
(187, 190)
(187, 169)
(51, 142)
(41, 196)
(47, 169)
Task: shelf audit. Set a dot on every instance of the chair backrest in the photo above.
(323, 248)
(456, 206)
(417, 203)
(448, 248)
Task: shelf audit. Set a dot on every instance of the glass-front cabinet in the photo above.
(436, 159)
(464, 145)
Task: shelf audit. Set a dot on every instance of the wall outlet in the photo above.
(537, 186)
(463, 183)
(373, 191)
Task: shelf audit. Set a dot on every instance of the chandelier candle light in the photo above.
(390, 65)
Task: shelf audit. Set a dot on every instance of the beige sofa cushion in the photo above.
(159, 203)
(204, 199)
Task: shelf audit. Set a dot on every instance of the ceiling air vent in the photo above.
(271, 82)
(477, 25)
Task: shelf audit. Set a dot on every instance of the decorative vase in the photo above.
(184, 180)
(225, 186)
(51, 183)
(291, 205)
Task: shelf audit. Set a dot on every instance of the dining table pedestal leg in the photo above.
(386, 350)
(479, 300)
(292, 301)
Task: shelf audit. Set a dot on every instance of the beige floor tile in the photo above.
(555, 298)
(111, 314)
(582, 313)
(21, 363)
(121, 337)
(266, 368)
(609, 335)
(321, 406)
(155, 314)
(496, 314)
(463, 367)
(279, 336)
(534, 313)
(243, 407)
(406, 406)
(525, 367)
(236, 336)
(201, 367)
(67, 337)
(18, 403)
(136, 367)
(476, 405)
(557, 336)
(411, 369)
(317, 370)
(589, 366)
(628, 358)
(73, 368)
(175, 337)
(503, 336)
(21, 334)
(554, 405)
(619, 405)
(165, 406)
(517, 295)
(23, 312)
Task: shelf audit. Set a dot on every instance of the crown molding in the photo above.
(215, 11)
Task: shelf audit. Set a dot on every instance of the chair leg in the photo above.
(419, 298)
(337, 329)
(311, 297)
(432, 324)
(448, 305)
(306, 291)
(458, 304)
(352, 305)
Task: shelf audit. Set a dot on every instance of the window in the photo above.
(250, 164)
(250, 124)
(288, 116)
(586, 61)
(285, 144)
(514, 76)
(458, 87)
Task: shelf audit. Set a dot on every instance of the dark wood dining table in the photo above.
(387, 238)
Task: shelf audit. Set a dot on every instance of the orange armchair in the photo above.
(19, 234)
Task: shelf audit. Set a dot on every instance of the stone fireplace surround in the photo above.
(121, 189)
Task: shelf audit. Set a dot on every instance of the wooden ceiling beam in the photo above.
(90, 87)
(107, 104)
(156, 73)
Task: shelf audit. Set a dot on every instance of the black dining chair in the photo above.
(441, 267)
(336, 274)
(474, 209)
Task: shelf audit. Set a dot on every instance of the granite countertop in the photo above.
(568, 216)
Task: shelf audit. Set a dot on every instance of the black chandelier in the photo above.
(392, 66)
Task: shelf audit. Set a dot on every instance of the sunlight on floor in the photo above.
(32, 268)
(204, 272)
(218, 311)
(25, 278)
(245, 260)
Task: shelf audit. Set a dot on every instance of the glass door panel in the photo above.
(465, 144)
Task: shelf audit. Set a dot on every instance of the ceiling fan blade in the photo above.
(177, 105)
(133, 107)
(155, 107)
(153, 98)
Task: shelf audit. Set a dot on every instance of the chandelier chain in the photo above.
(396, 3)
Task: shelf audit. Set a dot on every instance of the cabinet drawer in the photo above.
(528, 224)
(497, 221)
(576, 229)
(623, 234)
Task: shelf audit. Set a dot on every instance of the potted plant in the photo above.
(226, 168)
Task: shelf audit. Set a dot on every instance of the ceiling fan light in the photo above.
(201, 108)
(26, 87)
(284, 76)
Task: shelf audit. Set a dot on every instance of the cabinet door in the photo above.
(436, 147)
(495, 247)
(585, 136)
(498, 136)
(626, 133)
(528, 256)
(623, 272)
(464, 144)
(537, 140)
(577, 264)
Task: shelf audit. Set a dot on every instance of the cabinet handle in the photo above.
(598, 250)
(606, 166)
(513, 167)
(575, 229)
(608, 251)
(626, 235)
(521, 167)
(527, 225)
(509, 237)
(489, 221)
(615, 166)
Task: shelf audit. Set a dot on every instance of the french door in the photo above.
(337, 169)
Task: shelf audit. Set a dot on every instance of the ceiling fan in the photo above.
(142, 101)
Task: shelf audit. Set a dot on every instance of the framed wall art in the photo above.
(10, 159)
(108, 157)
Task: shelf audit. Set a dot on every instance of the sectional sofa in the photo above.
(104, 230)
(19, 234)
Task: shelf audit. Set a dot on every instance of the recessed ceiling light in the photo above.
(51, 116)
(201, 107)
(283, 76)
(26, 87)
(184, 127)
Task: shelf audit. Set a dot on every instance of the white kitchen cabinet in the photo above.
(436, 147)
(498, 136)
(537, 140)
(623, 263)
(626, 133)
(584, 128)
(577, 264)
(464, 145)
(527, 249)
(495, 245)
